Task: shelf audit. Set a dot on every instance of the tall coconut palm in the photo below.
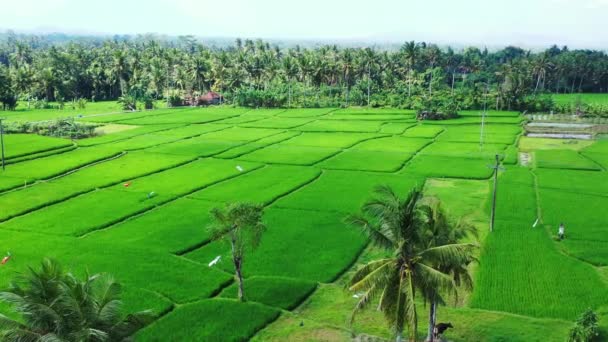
(410, 51)
(240, 224)
(290, 70)
(540, 66)
(441, 230)
(57, 306)
(398, 225)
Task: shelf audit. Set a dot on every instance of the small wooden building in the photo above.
(210, 98)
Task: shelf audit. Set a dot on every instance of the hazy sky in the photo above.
(582, 23)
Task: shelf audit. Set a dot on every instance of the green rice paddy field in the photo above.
(310, 168)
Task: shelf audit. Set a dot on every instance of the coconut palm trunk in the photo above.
(432, 321)
(238, 264)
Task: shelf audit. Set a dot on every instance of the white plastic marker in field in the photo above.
(238, 167)
(535, 223)
(215, 261)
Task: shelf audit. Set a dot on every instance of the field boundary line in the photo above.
(202, 244)
(60, 175)
(131, 137)
(90, 190)
(40, 151)
(258, 148)
(109, 225)
(591, 160)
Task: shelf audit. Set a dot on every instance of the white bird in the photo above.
(535, 223)
(238, 167)
(215, 261)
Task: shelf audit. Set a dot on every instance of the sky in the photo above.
(577, 23)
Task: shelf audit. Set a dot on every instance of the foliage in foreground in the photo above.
(585, 328)
(420, 266)
(241, 224)
(57, 306)
(62, 128)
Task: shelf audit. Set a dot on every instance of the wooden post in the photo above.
(493, 215)
(2, 142)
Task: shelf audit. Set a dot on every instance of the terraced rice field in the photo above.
(136, 204)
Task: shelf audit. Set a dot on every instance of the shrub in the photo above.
(585, 328)
(63, 128)
(128, 102)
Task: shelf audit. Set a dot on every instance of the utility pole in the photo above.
(496, 167)
(2, 142)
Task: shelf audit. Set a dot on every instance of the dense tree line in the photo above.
(255, 73)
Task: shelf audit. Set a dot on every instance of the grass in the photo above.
(263, 185)
(120, 115)
(467, 120)
(87, 179)
(423, 131)
(258, 144)
(284, 293)
(464, 150)
(22, 113)
(598, 152)
(517, 258)
(450, 167)
(310, 168)
(364, 160)
(297, 244)
(395, 127)
(344, 191)
(103, 208)
(290, 154)
(578, 181)
(116, 203)
(304, 112)
(496, 134)
(527, 144)
(342, 126)
(186, 116)
(325, 317)
(210, 320)
(490, 113)
(563, 159)
(583, 224)
(183, 228)
(18, 145)
(394, 117)
(283, 123)
(335, 140)
(382, 154)
(597, 99)
(116, 136)
(196, 147)
(374, 111)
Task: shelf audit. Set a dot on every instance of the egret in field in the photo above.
(240, 168)
(215, 261)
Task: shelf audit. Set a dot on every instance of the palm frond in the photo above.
(378, 236)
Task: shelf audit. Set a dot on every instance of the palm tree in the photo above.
(410, 51)
(540, 66)
(442, 231)
(290, 70)
(241, 224)
(398, 225)
(56, 306)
